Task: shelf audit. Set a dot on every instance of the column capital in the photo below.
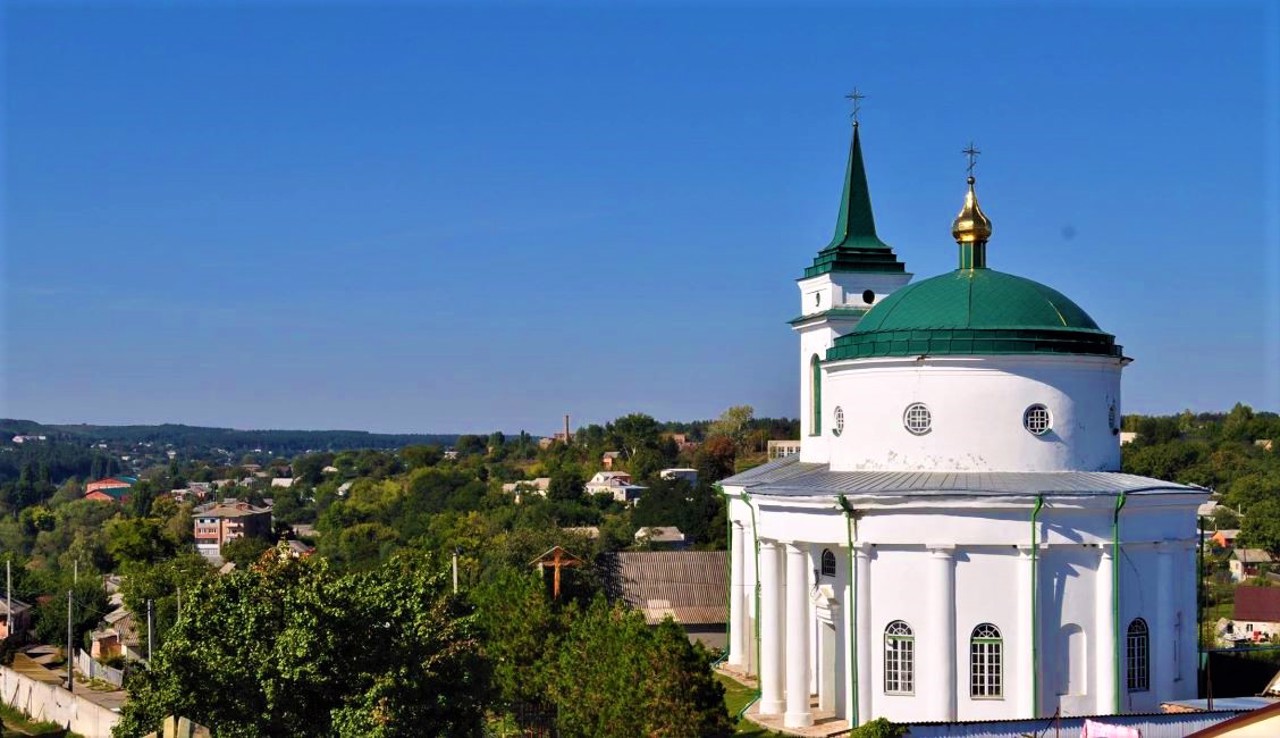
(797, 547)
(941, 550)
(768, 544)
(1105, 550)
(864, 550)
(1026, 549)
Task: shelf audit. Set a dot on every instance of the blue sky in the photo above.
(423, 217)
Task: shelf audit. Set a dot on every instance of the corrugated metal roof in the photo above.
(790, 476)
(1157, 725)
(690, 586)
(1259, 604)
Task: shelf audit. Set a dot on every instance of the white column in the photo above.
(866, 644)
(1025, 670)
(738, 636)
(1161, 638)
(942, 634)
(798, 714)
(1188, 647)
(1104, 648)
(772, 591)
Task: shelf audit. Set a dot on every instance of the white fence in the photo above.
(95, 670)
(53, 703)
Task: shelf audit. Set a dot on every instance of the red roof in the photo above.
(1258, 604)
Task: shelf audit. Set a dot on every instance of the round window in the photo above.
(1036, 420)
(839, 427)
(917, 418)
(868, 296)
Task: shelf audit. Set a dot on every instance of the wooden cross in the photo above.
(856, 98)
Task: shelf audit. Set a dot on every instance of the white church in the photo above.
(955, 540)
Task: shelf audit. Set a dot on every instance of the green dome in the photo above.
(975, 311)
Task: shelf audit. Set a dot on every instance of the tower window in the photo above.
(899, 659)
(917, 418)
(1138, 656)
(839, 417)
(815, 396)
(986, 663)
(1111, 417)
(828, 563)
(868, 296)
(1036, 420)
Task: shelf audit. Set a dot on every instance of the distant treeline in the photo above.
(286, 443)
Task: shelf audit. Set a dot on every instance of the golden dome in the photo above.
(971, 225)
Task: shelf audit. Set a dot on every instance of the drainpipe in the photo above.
(755, 544)
(1035, 600)
(1115, 593)
(851, 526)
(728, 577)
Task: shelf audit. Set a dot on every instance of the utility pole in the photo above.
(75, 577)
(71, 661)
(455, 571)
(148, 632)
(8, 597)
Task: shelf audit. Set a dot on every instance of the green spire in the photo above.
(855, 223)
(855, 246)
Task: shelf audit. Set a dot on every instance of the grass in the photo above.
(18, 724)
(736, 697)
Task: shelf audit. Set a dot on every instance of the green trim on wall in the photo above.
(839, 313)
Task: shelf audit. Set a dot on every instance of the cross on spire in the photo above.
(972, 153)
(856, 99)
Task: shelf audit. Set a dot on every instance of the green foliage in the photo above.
(616, 676)
(290, 648)
(244, 551)
(878, 728)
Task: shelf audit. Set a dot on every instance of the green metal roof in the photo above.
(975, 311)
(855, 246)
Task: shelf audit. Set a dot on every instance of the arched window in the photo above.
(828, 563)
(815, 396)
(986, 663)
(899, 659)
(1138, 656)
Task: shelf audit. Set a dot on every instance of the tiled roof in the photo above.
(791, 477)
(1258, 604)
(690, 586)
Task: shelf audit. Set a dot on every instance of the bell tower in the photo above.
(854, 272)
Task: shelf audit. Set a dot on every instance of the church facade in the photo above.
(955, 540)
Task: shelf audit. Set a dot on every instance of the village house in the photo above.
(783, 449)
(688, 475)
(687, 586)
(1255, 615)
(218, 523)
(21, 617)
(1225, 538)
(537, 486)
(616, 484)
(663, 536)
(609, 459)
(1247, 562)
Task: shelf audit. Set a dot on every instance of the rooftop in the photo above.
(791, 477)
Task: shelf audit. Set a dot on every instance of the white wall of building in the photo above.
(988, 542)
(979, 428)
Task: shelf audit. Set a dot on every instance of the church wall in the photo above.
(987, 591)
(980, 428)
(1068, 629)
(898, 592)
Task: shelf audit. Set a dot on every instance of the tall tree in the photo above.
(288, 648)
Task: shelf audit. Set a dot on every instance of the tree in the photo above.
(244, 551)
(634, 432)
(1261, 526)
(617, 677)
(734, 424)
(567, 486)
(715, 459)
(289, 648)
